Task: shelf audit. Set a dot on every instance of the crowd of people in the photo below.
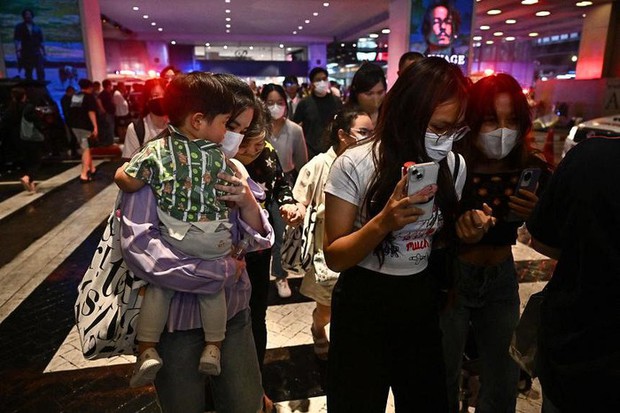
(229, 166)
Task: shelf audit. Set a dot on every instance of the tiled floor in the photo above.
(47, 241)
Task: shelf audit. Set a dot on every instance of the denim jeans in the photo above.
(488, 300)
(181, 387)
(278, 229)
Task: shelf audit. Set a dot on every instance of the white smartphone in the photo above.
(423, 180)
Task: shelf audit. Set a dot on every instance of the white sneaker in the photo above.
(284, 290)
(147, 366)
(210, 361)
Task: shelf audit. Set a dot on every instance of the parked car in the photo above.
(607, 127)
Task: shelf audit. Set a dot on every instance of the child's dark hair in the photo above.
(342, 120)
(195, 92)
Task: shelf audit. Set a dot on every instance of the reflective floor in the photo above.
(47, 240)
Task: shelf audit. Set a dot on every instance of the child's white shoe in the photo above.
(210, 361)
(147, 366)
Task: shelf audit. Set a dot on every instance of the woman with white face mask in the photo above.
(486, 285)
(287, 138)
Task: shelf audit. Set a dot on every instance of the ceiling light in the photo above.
(227, 11)
(326, 4)
(146, 16)
(228, 26)
(135, 8)
(228, 19)
(251, 48)
(225, 47)
(208, 44)
(578, 4)
(510, 21)
(226, 1)
(477, 38)
(316, 13)
(573, 58)
(281, 46)
(494, 12)
(583, 15)
(498, 34)
(529, 2)
(153, 24)
(173, 42)
(342, 45)
(373, 35)
(227, 30)
(485, 27)
(489, 42)
(509, 38)
(159, 29)
(300, 27)
(543, 13)
(307, 21)
(533, 34)
(385, 31)
(294, 31)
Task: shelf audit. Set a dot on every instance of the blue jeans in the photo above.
(488, 299)
(278, 229)
(181, 388)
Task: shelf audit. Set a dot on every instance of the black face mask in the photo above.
(156, 106)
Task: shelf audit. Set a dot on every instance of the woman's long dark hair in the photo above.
(482, 106)
(403, 120)
(366, 77)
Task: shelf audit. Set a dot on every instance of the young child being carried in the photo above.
(181, 167)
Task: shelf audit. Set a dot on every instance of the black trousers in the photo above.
(258, 269)
(385, 333)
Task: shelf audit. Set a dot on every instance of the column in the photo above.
(92, 35)
(317, 55)
(597, 42)
(398, 40)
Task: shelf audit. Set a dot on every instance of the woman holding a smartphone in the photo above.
(374, 237)
(503, 173)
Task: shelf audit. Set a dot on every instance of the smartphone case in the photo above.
(423, 179)
(528, 181)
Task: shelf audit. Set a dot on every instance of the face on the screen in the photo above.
(441, 34)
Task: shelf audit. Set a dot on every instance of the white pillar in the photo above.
(92, 36)
(398, 40)
(317, 55)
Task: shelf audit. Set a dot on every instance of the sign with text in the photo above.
(442, 28)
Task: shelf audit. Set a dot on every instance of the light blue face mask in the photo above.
(231, 142)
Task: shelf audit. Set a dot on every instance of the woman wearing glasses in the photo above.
(368, 89)
(349, 126)
(485, 282)
(386, 293)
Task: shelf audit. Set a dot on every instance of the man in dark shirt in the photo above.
(28, 39)
(577, 222)
(314, 112)
(82, 120)
(106, 118)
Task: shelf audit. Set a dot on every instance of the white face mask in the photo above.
(437, 148)
(230, 143)
(497, 144)
(321, 88)
(276, 111)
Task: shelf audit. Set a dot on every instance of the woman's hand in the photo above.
(524, 204)
(293, 214)
(238, 190)
(473, 224)
(400, 209)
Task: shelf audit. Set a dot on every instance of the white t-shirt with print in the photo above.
(349, 179)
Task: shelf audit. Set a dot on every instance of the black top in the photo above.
(81, 104)
(267, 172)
(580, 214)
(106, 101)
(494, 189)
(31, 40)
(315, 113)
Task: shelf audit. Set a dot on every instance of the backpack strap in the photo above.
(140, 129)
